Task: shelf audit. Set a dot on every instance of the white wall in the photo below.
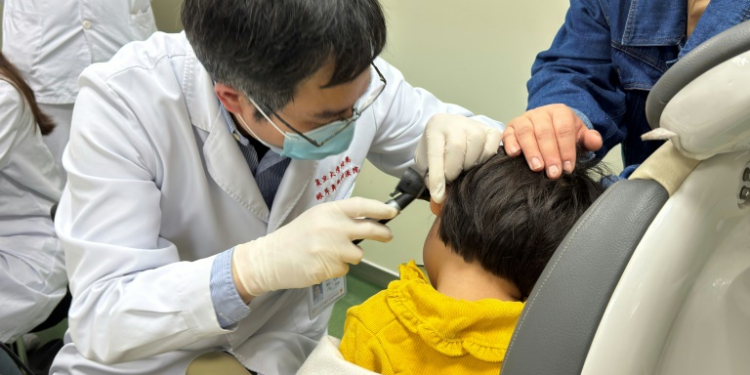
(475, 53)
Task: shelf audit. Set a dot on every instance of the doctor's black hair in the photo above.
(265, 48)
(511, 219)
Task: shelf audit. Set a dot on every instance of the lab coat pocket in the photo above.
(24, 47)
(142, 20)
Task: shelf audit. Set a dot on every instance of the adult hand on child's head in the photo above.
(548, 137)
(450, 144)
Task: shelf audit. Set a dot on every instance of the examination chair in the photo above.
(655, 277)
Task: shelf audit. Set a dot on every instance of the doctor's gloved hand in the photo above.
(316, 246)
(450, 144)
(548, 137)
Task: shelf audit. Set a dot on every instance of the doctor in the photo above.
(209, 174)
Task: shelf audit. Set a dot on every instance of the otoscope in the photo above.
(411, 186)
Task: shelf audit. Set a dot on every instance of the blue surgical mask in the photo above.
(297, 147)
(271, 147)
(327, 140)
(335, 138)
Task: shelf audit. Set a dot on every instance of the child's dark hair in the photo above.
(511, 219)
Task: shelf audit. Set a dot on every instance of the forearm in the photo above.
(161, 308)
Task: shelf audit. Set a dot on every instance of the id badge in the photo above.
(325, 294)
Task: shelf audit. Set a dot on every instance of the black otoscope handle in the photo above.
(399, 203)
(410, 187)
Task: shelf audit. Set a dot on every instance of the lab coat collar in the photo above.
(224, 160)
(198, 88)
(229, 169)
(298, 176)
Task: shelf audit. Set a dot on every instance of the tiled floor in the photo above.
(358, 291)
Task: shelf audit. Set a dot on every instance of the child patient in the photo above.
(494, 234)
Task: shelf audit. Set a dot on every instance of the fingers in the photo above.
(591, 140)
(436, 186)
(566, 124)
(420, 156)
(436, 149)
(546, 137)
(454, 143)
(493, 138)
(352, 254)
(510, 142)
(476, 139)
(526, 135)
(482, 143)
(369, 230)
(363, 207)
(334, 270)
(455, 155)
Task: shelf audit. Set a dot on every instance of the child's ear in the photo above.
(436, 208)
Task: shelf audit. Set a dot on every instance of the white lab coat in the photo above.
(157, 186)
(52, 41)
(327, 359)
(32, 274)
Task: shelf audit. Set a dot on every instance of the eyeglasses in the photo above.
(356, 113)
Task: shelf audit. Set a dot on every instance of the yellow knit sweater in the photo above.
(411, 328)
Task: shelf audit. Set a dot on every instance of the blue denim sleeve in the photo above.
(228, 304)
(583, 118)
(610, 180)
(577, 71)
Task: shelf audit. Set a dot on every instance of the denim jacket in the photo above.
(608, 55)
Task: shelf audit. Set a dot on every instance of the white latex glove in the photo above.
(316, 246)
(450, 144)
